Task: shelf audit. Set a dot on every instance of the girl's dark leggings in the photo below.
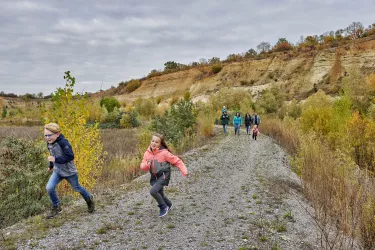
(158, 193)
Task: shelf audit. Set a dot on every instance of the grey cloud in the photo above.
(105, 42)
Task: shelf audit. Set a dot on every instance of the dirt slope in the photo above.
(240, 193)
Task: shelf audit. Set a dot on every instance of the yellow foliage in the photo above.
(94, 111)
(70, 112)
(316, 113)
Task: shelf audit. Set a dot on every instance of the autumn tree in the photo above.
(70, 112)
(355, 30)
(282, 45)
(264, 47)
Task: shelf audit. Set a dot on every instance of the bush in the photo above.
(145, 108)
(174, 124)
(216, 68)
(129, 120)
(270, 100)
(23, 176)
(284, 46)
(132, 85)
(110, 103)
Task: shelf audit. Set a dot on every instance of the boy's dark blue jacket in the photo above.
(64, 156)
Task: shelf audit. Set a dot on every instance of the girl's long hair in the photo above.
(162, 141)
(164, 144)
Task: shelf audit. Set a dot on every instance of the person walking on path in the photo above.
(255, 119)
(224, 121)
(255, 132)
(237, 121)
(62, 166)
(158, 160)
(248, 123)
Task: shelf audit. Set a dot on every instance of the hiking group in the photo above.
(251, 123)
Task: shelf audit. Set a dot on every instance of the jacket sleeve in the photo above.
(144, 166)
(175, 161)
(67, 155)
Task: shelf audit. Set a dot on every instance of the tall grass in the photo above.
(341, 193)
(31, 133)
(284, 132)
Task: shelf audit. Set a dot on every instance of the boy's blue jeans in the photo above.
(225, 128)
(56, 179)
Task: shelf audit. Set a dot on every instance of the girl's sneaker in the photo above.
(163, 210)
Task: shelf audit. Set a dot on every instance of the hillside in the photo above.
(299, 73)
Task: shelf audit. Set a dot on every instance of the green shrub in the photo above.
(4, 112)
(270, 100)
(110, 103)
(174, 124)
(145, 108)
(129, 120)
(23, 176)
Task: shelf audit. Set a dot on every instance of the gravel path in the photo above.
(240, 194)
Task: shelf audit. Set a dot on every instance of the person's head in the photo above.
(224, 107)
(255, 126)
(51, 132)
(238, 114)
(158, 140)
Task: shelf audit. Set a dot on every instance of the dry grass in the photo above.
(21, 132)
(285, 133)
(119, 143)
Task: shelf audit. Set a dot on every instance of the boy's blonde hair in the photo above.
(53, 127)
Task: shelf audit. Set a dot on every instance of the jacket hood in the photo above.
(156, 149)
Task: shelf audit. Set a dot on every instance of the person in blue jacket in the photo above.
(62, 166)
(237, 121)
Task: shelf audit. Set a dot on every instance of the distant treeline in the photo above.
(26, 96)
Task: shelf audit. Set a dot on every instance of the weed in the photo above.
(204, 244)
(102, 230)
(288, 216)
(263, 238)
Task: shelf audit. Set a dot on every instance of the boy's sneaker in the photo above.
(90, 204)
(163, 210)
(54, 212)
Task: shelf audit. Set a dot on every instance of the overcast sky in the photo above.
(104, 42)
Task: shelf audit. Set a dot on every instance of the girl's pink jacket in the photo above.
(160, 157)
